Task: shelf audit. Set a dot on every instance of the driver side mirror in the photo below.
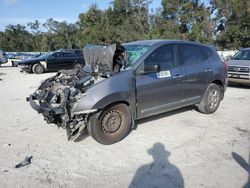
(151, 68)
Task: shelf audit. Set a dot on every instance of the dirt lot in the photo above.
(179, 149)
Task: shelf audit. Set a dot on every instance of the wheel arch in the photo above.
(221, 85)
(117, 98)
(31, 67)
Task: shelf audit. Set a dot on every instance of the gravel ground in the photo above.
(183, 148)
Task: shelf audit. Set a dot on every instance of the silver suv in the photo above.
(239, 67)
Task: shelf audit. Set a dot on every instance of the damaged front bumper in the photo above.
(47, 111)
(58, 116)
(56, 97)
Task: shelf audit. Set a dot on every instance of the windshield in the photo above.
(46, 55)
(242, 55)
(135, 52)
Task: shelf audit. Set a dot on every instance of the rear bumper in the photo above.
(235, 80)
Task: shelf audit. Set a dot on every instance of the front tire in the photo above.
(111, 125)
(211, 99)
(37, 68)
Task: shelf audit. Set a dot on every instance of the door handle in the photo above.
(178, 76)
(208, 70)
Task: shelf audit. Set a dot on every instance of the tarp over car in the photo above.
(105, 59)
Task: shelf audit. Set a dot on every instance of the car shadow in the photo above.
(164, 115)
(6, 66)
(85, 134)
(239, 86)
(159, 173)
(244, 164)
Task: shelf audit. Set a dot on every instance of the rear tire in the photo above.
(37, 68)
(111, 125)
(211, 99)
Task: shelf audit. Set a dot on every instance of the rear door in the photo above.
(197, 69)
(56, 61)
(162, 91)
(69, 60)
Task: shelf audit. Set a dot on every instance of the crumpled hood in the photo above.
(233, 62)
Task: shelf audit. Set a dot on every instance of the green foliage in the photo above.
(234, 18)
(16, 37)
(225, 23)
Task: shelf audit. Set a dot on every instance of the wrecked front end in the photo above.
(56, 96)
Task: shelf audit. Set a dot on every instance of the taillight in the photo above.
(225, 64)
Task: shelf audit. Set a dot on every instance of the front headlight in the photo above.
(85, 111)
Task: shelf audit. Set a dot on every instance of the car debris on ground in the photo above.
(25, 162)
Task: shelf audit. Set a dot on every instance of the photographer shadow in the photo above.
(160, 173)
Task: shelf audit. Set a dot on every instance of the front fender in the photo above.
(87, 103)
(117, 88)
(114, 98)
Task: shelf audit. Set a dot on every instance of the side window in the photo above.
(163, 56)
(57, 55)
(207, 51)
(68, 55)
(191, 54)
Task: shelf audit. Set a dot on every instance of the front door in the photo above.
(162, 91)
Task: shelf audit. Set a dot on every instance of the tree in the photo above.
(233, 17)
(91, 26)
(183, 19)
(16, 38)
(223, 22)
(63, 31)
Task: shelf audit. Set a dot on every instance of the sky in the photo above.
(23, 11)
